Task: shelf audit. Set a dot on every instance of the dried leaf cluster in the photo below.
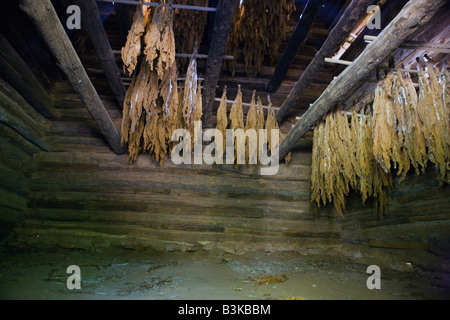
(153, 108)
(160, 41)
(343, 159)
(251, 154)
(192, 100)
(188, 27)
(258, 29)
(254, 120)
(396, 125)
(434, 111)
(133, 46)
(407, 129)
(413, 128)
(237, 120)
(222, 122)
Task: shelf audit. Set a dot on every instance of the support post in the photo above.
(221, 31)
(47, 22)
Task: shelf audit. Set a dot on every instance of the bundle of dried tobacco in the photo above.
(255, 37)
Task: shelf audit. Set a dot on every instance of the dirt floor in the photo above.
(144, 275)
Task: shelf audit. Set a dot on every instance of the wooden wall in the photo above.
(84, 196)
(416, 231)
(90, 199)
(81, 195)
(21, 131)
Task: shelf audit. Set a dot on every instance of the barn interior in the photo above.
(90, 181)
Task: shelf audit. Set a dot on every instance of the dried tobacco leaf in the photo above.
(255, 38)
(237, 112)
(433, 112)
(271, 124)
(222, 122)
(191, 98)
(384, 117)
(251, 154)
(133, 47)
(237, 117)
(160, 41)
(343, 159)
(151, 104)
(192, 20)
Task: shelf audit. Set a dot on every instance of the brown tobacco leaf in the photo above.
(383, 130)
(343, 159)
(126, 121)
(197, 116)
(134, 141)
(409, 126)
(256, 38)
(192, 100)
(251, 154)
(222, 122)
(190, 94)
(260, 109)
(151, 106)
(433, 111)
(192, 20)
(237, 112)
(133, 47)
(160, 41)
(237, 119)
(271, 124)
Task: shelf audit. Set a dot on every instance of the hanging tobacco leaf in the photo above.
(133, 46)
(259, 28)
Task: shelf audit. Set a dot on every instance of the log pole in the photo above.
(47, 22)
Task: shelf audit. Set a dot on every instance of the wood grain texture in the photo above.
(47, 22)
(221, 31)
(93, 24)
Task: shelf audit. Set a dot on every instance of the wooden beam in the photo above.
(90, 18)
(15, 70)
(297, 39)
(348, 63)
(185, 55)
(47, 22)
(413, 16)
(221, 31)
(351, 16)
(27, 129)
(417, 45)
(245, 104)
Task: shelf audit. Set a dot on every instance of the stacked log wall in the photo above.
(22, 131)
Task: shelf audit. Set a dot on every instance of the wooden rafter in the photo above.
(47, 22)
(94, 26)
(413, 16)
(355, 11)
(221, 31)
(16, 71)
(297, 39)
